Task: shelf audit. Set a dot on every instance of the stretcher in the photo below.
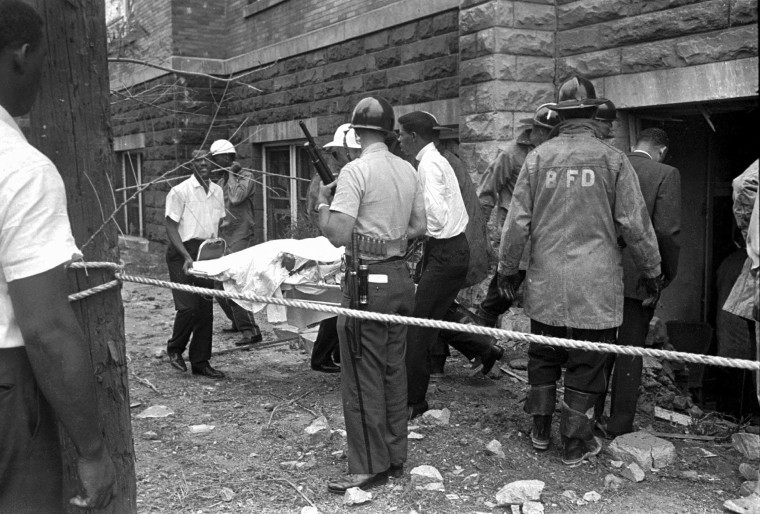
(303, 269)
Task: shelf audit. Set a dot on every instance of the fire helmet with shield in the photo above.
(373, 113)
(344, 136)
(543, 117)
(222, 146)
(577, 98)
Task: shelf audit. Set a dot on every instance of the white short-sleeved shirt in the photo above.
(446, 213)
(197, 212)
(35, 232)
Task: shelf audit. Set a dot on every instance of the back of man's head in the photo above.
(421, 123)
(655, 137)
(19, 25)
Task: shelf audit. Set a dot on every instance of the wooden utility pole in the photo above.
(70, 123)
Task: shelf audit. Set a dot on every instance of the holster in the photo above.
(541, 400)
(577, 420)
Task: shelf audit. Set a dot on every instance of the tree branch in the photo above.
(235, 79)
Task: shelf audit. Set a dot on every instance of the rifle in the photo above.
(355, 294)
(316, 157)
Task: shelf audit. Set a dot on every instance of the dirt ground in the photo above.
(270, 395)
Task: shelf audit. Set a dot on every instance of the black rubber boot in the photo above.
(577, 427)
(484, 319)
(540, 404)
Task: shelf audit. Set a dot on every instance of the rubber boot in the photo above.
(484, 319)
(577, 427)
(540, 404)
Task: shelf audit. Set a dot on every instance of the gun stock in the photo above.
(316, 157)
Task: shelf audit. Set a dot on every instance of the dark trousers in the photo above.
(469, 345)
(444, 273)
(585, 369)
(627, 377)
(194, 319)
(373, 384)
(30, 457)
(242, 319)
(326, 344)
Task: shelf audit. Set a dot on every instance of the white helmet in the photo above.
(344, 136)
(222, 146)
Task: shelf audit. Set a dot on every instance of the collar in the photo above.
(425, 149)
(577, 126)
(6, 118)
(644, 152)
(374, 147)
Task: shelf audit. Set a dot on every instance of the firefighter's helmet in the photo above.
(373, 113)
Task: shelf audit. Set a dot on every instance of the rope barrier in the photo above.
(94, 290)
(447, 325)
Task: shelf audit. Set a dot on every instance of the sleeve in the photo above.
(633, 222)
(348, 192)
(35, 232)
(435, 196)
(240, 186)
(753, 237)
(516, 229)
(492, 180)
(745, 189)
(175, 206)
(666, 220)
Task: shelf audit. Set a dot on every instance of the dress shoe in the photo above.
(361, 481)
(541, 432)
(578, 450)
(207, 371)
(396, 471)
(177, 362)
(417, 409)
(249, 338)
(327, 367)
(483, 318)
(496, 353)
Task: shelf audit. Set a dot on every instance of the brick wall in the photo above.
(145, 33)
(201, 28)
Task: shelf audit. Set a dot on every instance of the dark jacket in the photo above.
(661, 187)
(573, 193)
(498, 180)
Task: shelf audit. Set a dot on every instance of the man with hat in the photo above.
(377, 206)
(238, 187)
(573, 196)
(606, 114)
(495, 189)
(447, 253)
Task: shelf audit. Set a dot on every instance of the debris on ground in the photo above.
(437, 417)
(644, 449)
(633, 472)
(156, 411)
(201, 429)
(356, 496)
(427, 478)
(592, 497)
(494, 447)
(318, 431)
(520, 492)
(747, 444)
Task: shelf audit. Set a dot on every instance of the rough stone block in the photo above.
(439, 68)
(464, 4)
(388, 58)
(486, 15)
(344, 51)
(644, 449)
(447, 88)
(403, 34)
(725, 45)
(336, 70)
(353, 85)
(589, 12)
(310, 76)
(425, 49)
(477, 156)
(328, 89)
(523, 42)
(376, 42)
(743, 12)
(485, 126)
(504, 95)
(446, 22)
(590, 65)
(376, 80)
(534, 16)
(403, 75)
(532, 69)
(650, 56)
(490, 67)
(478, 44)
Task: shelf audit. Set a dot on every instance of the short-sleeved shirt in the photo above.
(198, 212)
(446, 214)
(35, 232)
(380, 191)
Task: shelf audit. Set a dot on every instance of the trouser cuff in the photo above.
(541, 400)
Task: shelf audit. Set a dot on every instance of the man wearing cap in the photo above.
(238, 187)
(447, 253)
(194, 211)
(377, 199)
(572, 197)
(343, 148)
(495, 189)
(606, 114)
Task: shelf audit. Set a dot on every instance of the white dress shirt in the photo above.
(444, 206)
(198, 212)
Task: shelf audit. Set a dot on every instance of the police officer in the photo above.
(573, 193)
(377, 196)
(495, 189)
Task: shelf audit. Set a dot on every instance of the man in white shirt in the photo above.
(447, 253)
(194, 209)
(45, 367)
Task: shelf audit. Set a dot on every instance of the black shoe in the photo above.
(496, 353)
(541, 432)
(177, 362)
(327, 367)
(417, 409)
(577, 450)
(396, 471)
(483, 318)
(207, 371)
(361, 481)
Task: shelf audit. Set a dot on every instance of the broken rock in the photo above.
(318, 431)
(309, 510)
(592, 496)
(644, 449)
(747, 444)
(427, 478)
(520, 492)
(437, 417)
(201, 429)
(532, 508)
(226, 494)
(156, 411)
(612, 482)
(494, 447)
(356, 496)
(633, 472)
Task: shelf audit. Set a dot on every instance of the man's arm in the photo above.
(63, 369)
(337, 227)
(240, 184)
(666, 220)
(172, 232)
(489, 184)
(516, 229)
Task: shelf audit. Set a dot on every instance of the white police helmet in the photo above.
(344, 136)
(222, 146)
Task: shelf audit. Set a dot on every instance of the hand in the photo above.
(508, 285)
(651, 287)
(98, 479)
(235, 167)
(326, 193)
(187, 265)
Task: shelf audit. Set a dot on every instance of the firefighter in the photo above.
(572, 195)
(606, 114)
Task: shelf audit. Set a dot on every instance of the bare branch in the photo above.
(235, 79)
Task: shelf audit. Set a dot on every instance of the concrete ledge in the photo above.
(130, 142)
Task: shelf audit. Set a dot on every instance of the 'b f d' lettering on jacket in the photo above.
(573, 196)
